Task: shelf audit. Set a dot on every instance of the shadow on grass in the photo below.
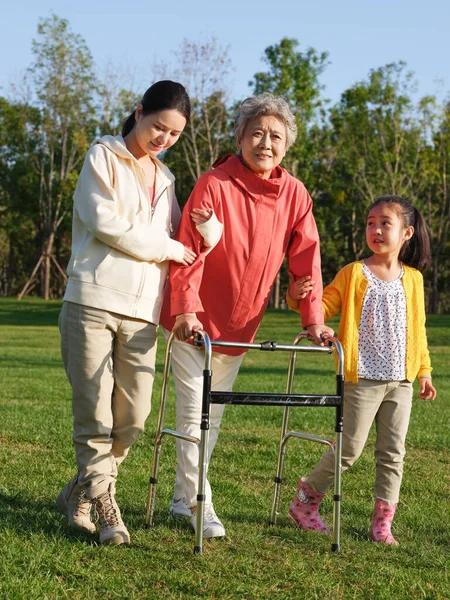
(23, 363)
(26, 516)
(286, 530)
(135, 518)
(29, 312)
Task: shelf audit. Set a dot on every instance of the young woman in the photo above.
(125, 213)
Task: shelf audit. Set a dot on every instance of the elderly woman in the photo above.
(266, 214)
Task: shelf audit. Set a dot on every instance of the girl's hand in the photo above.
(298, 289)
(427, 390)
(188, 257)
(200, 215)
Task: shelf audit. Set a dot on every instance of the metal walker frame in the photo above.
(286, 400)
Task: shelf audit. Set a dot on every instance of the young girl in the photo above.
(382, 330)
(125, 213)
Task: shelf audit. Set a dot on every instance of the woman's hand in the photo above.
(298, 289)
(200, 215)
(188, 258)
(319, 333)
(185, 327)
(427, 390)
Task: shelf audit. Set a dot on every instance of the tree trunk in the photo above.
(11, 271)
(46, 266)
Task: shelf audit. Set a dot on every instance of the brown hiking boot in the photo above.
(73, 503)
(112, 528)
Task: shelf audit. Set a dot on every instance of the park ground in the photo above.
(41, 558)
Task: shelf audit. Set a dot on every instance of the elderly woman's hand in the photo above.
(185, 327)
(320, 333)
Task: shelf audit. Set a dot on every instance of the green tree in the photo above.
(295, 76)
(66, 87)
(204, 69)
(435, 166)
(115, 101)
(19, 186)
(379, 141)
(375, 143)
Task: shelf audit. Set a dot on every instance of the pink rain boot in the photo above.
(304, 510)
(383, 514)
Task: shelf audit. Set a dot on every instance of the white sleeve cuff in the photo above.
(211, 231)
(176, 251)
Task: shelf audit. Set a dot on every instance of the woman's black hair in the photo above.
(415, 252)
(162, 95)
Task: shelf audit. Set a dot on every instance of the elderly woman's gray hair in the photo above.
(265, 104)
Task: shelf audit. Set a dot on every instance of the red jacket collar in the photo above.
(248, 180)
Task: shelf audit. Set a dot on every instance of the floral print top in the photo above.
(382, 329)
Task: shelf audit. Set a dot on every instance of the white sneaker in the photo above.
(212, 527)
(179, 508)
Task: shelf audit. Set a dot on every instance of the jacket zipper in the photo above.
(151, 212)
(157, 197)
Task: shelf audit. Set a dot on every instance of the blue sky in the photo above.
(358, 34)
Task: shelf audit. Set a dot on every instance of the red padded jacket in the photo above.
(263, 220)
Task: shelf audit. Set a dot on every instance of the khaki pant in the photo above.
(389, 404)
(110, 363)
(187, 366)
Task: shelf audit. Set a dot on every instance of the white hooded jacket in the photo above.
(121, 245)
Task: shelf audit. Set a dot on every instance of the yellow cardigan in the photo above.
(345, 294)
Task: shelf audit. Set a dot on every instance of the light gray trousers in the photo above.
(110, 363)
(388, 403)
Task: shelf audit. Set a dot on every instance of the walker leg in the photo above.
(158, 437)
(152, 482)
(278, 479)
(335, 546)
(201, 497)
(203, 455)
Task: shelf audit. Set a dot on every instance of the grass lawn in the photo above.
(42, 558)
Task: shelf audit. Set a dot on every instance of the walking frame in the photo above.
(287, 400)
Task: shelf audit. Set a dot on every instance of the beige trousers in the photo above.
(110, 363)
(389, 404)
(187, 367)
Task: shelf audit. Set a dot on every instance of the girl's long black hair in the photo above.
(416, 251)
(162, 95)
